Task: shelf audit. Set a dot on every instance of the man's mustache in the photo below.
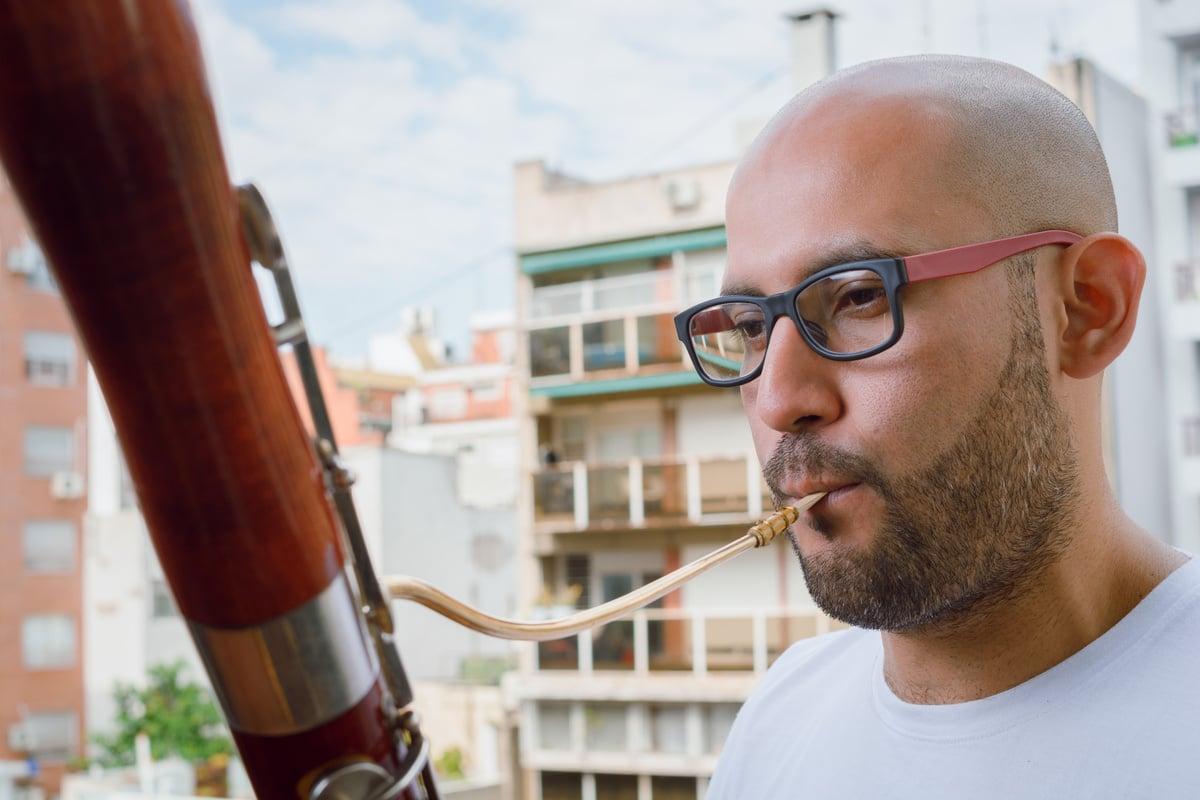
(800, 456)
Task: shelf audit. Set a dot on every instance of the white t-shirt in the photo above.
(1119, 719)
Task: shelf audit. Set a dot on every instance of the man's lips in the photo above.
(834, 494)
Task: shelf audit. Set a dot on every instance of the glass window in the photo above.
(49, 358)
(48, 641)
(670, 787)
(549, 352)
(562, 786)
(52, 735)
(604, 345)
(49, 545)
(616, 787)
(28, 259)
(657, 342)
(48, 450)
(162, 602)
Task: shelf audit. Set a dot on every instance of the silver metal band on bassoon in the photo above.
(294, 672)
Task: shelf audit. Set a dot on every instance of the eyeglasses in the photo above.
(845, 312)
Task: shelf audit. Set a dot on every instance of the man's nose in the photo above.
(794, 392)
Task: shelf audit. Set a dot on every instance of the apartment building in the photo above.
(1171, 67)
(42, 451)
(1137, 443)
(633, 468)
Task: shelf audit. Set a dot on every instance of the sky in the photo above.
(383, 133)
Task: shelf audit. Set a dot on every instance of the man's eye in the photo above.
(861, 298)
(749, 328)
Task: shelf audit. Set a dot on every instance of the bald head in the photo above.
(990, 135)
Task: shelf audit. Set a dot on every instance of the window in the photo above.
(48, 641)
(28, 259)
(49, 358)
(663, 787)
(54, 735)
(562, 786)
(162, 602)
(549, 352)
(48, 450)
(49, 545)
(616, 787)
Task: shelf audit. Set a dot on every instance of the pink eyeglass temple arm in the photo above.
(974, 257)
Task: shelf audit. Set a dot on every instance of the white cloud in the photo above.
(384, 132)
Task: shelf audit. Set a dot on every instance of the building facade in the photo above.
(42, 452)
(1171, 61)
(633, 468)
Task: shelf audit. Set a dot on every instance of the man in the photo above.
(1016, 635)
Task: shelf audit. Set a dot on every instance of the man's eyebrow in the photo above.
(848, 254)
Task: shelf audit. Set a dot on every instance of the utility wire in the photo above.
(720, 112)
(479, 261)
(442, 281)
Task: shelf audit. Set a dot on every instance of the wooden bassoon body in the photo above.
(109, 138)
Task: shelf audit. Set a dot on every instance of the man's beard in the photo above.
(971, 530)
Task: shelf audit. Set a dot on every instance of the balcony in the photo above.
(1187, 298)
(674, 641)
(580, 495)
(613, 327)
(1181, 156)
(1182, 127)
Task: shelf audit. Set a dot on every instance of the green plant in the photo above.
(449, 764)
(179, 717)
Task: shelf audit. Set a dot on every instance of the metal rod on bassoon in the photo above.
(406, 588)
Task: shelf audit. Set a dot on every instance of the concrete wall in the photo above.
(553, 211)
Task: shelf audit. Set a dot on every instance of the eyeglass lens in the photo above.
(844, 313)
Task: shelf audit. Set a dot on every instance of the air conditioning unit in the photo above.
(21, 738)
(683, 194)
(25, 259)
(66, 485)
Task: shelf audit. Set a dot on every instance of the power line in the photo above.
(442, 281)
(720, 112)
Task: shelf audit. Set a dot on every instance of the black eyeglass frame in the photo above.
(896, 274)
(783, 304)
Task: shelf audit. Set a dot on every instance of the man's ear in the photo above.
(1100, 282)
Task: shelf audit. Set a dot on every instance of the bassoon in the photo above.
(109, 139)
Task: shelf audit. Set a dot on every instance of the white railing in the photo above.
(661, 640)
(622, 345)
(674, 288)
(1187, 281)
(1191, 436)
(579, 495)
(1183, 127)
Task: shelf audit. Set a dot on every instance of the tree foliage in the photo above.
(178, 716)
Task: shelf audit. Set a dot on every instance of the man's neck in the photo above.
(994, 647)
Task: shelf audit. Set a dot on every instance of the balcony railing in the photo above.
(1191, 436)
(684, 640)
(579, 495)
(674, 287)
(1187, 281)
(1183, 127)
(585, 349)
